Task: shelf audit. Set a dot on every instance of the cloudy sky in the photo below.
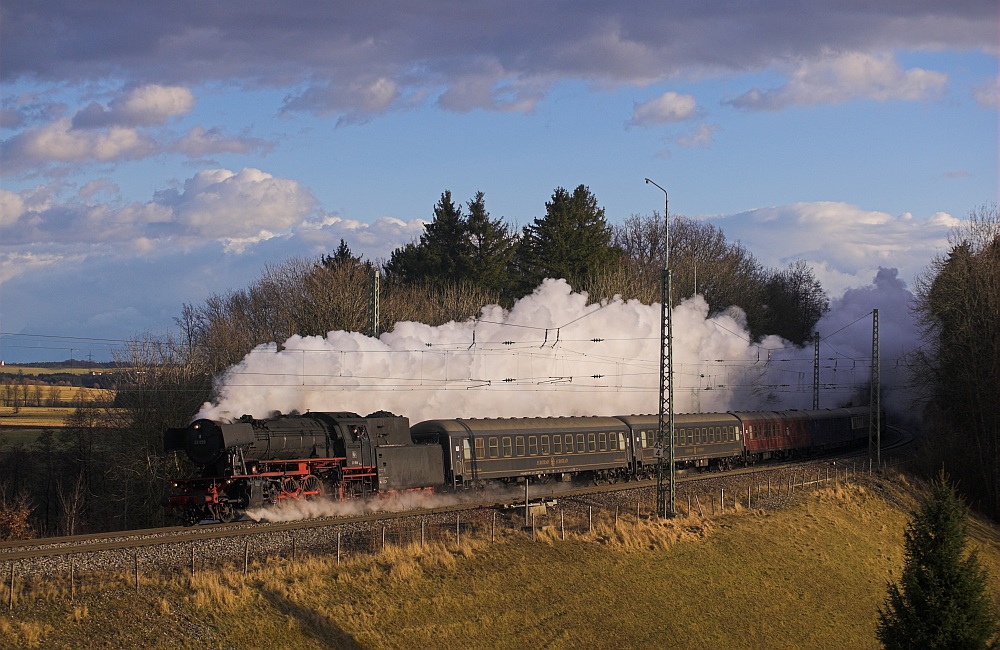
(155, 153)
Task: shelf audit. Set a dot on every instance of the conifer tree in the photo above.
(941, 600)
(492, 246)
(572, 241)
(443, 253)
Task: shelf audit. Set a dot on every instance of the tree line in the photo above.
(466, 259)
(957, 370)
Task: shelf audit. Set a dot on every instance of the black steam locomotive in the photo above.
(257, 462)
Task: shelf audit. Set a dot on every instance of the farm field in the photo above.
(21, 426)
(811, 574)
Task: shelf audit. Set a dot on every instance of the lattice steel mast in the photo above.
(665, 477)
(875, 400)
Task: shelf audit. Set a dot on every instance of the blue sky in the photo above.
(152, 156)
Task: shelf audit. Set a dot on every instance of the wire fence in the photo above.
(69, 576)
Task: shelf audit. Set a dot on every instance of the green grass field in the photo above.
(810, 575)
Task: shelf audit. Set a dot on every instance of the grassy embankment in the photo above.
(809, 575)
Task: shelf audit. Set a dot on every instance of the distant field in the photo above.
(70, 393)
(34, 416)
(11, 438)
(30, 371)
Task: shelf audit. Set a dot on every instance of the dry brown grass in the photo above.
(811, 575)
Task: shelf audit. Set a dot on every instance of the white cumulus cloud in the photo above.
(668, 107)
(844, 77)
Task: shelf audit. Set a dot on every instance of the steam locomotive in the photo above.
(251, 463)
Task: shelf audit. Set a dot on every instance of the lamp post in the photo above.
(666, 412)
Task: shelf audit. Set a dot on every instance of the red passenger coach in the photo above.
(769, 434)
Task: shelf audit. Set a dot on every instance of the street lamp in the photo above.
(666, 412)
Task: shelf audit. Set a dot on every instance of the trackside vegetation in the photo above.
(941, 600)
(811, 574)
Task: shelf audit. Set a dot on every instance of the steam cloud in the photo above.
(553, 354)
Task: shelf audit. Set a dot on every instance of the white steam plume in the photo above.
(551, 354)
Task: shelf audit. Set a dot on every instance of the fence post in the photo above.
(493, 529)
(10, 599)
(562, 524)
(722, 500)
(590, 517)
(338, 546)
(422, 522)
(135, 560)
(458, 529)
(72, 579)
(246, 557)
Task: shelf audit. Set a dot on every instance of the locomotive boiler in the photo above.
(253, 462)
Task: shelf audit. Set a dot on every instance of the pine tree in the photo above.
(941, 600)
(572, 241)
(443, 253)
(491, 246)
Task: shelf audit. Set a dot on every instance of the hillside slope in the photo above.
(810, 574)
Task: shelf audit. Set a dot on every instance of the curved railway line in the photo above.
(179, 545)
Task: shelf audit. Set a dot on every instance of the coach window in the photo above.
(519, 445)
(581, 443)
(591, 442)
(545, 445)
(557, 444)
(480, 448)
(613, 441)
(507, 448)
(602, 440)
(532, 445)
(621, 441)
(494, 447)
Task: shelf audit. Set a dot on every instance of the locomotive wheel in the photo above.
(312, 483)
(226, 513)
(290, 486)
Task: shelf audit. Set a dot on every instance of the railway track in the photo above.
(123, 542)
